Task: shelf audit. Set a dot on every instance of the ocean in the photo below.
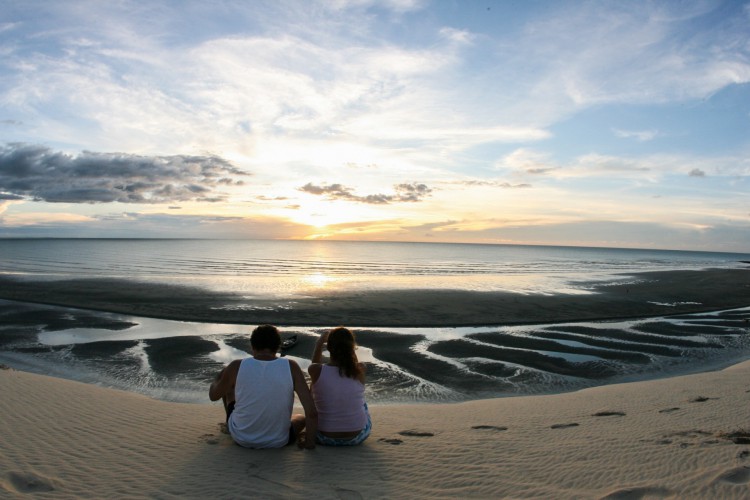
(264, 268)
(174, 360)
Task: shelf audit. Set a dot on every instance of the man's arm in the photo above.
(311, 413)
(223, 384)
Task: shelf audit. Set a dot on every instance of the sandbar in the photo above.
(641, 295)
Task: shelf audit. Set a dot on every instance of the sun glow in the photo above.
(322, 213)
(318, 280)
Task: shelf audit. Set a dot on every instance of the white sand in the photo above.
(63, 439)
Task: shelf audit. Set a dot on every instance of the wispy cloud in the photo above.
(640, 135)
(662, 62)
(39, 173)
(489, 183)
(476, 103)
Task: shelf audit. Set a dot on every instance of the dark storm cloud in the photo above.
(37, 172)
(407, 192)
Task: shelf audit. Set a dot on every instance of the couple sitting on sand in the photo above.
(258, 394)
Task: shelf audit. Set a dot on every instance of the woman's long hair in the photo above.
(341, 345)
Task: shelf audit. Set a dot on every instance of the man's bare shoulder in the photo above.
(232, 368)
(293, 365)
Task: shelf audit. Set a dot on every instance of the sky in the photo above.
(604, 123)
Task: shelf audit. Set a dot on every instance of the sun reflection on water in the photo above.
(318, 280)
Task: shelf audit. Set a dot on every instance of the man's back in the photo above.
(264, 395)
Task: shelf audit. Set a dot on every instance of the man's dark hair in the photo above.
(265, 337)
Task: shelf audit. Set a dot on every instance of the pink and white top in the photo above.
(340, 401)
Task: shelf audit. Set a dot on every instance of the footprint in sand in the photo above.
(489, 427)
(608, 414)
(564, 426)
(743, 455)
(29, 483)
(390, 441)
(345, 494)
(669, 410)
(209, 439)
(694, 434)
(416, 433)
(739, 475)
(701, 399)
(223, 428)
(638, 493)
(737, 437)
(694, 437)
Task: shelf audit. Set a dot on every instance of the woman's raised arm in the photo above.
(318, 351)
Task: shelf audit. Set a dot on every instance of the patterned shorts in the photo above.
(359, 438)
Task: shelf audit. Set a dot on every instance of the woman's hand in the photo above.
(317, 355)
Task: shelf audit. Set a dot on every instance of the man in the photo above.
(258, 394)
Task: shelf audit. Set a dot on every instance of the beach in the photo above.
(641, 295)
(650, 325)
(683, 437)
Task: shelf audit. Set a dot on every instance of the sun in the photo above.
(323, 213)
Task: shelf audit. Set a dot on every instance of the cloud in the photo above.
(269, 198)
(490, 183)
(44, 219)
(10, 197)
(406, 192)
(135, 225)
(458, 36)
(696, 172)
(36, 171)
(640, 135)
(412, 192)
(529, 161)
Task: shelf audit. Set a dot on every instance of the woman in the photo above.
(338, 389)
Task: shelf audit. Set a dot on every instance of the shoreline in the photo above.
(649, 294)
(681, 437)
(548, 354)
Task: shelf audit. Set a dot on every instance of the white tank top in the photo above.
(264, 397)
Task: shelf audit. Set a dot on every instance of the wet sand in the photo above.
(645, 295)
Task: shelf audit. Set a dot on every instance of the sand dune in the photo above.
(684, 437)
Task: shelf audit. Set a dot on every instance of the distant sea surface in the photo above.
(175, 360)
(271, 269)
